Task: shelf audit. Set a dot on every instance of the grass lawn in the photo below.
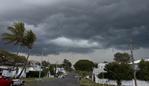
(30, 80)
(86, 82)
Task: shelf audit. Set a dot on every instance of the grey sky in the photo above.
(83, 27)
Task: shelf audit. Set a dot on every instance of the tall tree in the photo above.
(15, 34)
(84, 65)
(118, 72)
(67, 65)
(143, 72)
(122, 57)
(45, 63)
(28, 41)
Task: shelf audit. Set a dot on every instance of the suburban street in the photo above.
(69, 80)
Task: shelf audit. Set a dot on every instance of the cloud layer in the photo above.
(80, 26)
(66, 42)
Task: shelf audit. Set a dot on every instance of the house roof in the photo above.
(138, 61)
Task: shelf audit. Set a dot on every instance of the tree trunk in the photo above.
(24, 64)
(18, 48)
(119, 82)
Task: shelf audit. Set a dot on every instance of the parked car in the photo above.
(17, 82)
(4, 81)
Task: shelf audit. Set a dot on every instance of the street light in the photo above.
(42, 53)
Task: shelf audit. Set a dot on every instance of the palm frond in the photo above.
(15, 34)
(29, 39)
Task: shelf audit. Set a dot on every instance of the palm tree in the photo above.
(15, 34)
(28, 41)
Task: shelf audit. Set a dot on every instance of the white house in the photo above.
(97, 71)
(11, 71)
(137, 62)
(60, 70)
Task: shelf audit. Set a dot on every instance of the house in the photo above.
(137, 62)
(33, 66)
(62, 70)
(11, 71)
(97, 71)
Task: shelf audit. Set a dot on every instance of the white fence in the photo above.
(124, 83)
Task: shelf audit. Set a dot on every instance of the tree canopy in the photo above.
(29, 39)
(45, 63)
(84, 65)
(118, 72)
(122, 57)
(67, 65)
(15, 34)
(143, 72)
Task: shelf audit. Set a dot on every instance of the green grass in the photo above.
(86, 82)
(31, 80)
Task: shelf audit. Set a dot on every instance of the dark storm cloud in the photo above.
(100, 23)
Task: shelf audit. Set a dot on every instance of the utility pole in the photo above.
(103, 78)
(133, 64)
(41, 63)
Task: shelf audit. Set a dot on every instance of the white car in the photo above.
(18, 82)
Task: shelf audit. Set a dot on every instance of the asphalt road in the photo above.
(69, 80)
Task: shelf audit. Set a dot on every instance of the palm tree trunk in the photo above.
(24, 64)
(18, 48)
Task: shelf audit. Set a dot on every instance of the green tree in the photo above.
(67, 65)
(143, 72)
(116, 71)
(28, 41)
(15, 34)
(52, 69)
(45, 63)
(19, 36)
(122, 57)
(84, 65)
